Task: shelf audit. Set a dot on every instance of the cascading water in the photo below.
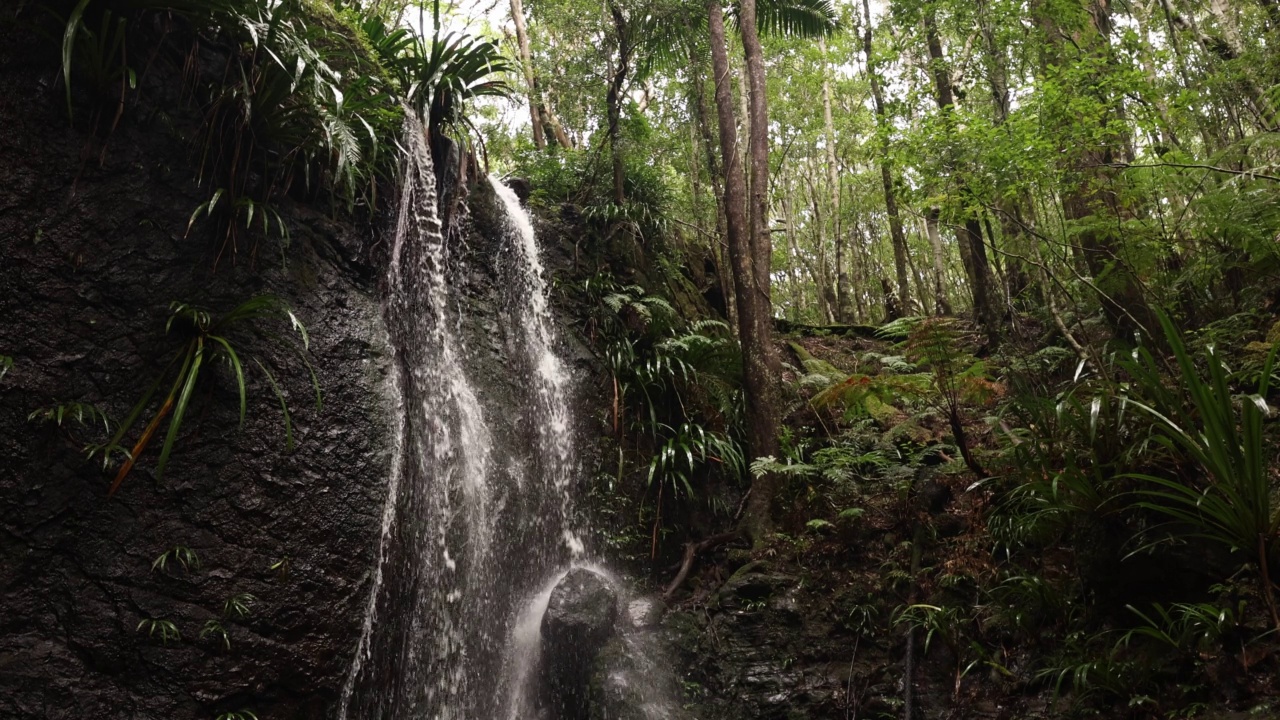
(438, 517)
(478, 524)
(473, 523)
(555, 440)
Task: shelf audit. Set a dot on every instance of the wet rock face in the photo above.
(579, 620)
(764, 648)
(617, 684)
(90, 258)
(645, 612)
(632, 678)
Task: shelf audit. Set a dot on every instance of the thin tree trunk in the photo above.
(1017, 279)
(760, 359)
(969, 234)
(723, 263)
(922, 288)
(941, 303)
(861, 296)
(833, 182)
(614, 99)
(744, 114)
(526, 66)
(897, 237)
(821, 277)
(793, 259)
(551, 120)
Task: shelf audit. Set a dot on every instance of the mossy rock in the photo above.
(816, 366)
(885, 415)
(1273, 335)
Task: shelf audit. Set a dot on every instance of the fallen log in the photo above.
(691, 552)
(794, 328)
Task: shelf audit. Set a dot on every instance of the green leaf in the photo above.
(284, 406)
(180, 408)
(239, 371)
(69, 44)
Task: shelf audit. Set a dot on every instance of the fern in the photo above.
(769, 465)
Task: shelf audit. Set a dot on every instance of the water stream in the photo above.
(478, 525)
(472, 523)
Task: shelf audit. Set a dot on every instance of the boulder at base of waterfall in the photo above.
(579, 620)
(580, 613)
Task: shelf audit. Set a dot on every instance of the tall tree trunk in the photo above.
(724, 264)
(942, 305)
(969, 233)
(557, 129)
(861, 296)
(1017, 279)
(761, 365)
(526, 66)
(821, 274)
(744, 114)
(896, 235)
(794, 287)
(833, 183)
(735, 186)
(922, 288)
(614, 99)
(1095, 195)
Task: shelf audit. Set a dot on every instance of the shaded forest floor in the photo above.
(894, 559)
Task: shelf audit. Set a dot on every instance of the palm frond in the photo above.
(795, 18)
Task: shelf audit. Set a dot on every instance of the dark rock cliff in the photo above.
(91, 255)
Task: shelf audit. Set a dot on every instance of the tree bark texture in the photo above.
(750, 254)
(896, 235)
(526, 66)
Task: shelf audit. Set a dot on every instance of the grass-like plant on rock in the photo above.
(206, 341)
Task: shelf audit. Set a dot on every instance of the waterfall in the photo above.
(552, 411)
(477, 515)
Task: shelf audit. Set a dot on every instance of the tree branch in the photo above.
(1195, 166)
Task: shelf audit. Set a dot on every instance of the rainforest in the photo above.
(639, 360)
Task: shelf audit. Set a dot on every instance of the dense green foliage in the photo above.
(1062, 214)
(304, 97)
(1066, 213)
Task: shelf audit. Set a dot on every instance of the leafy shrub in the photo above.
(1202, 419)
